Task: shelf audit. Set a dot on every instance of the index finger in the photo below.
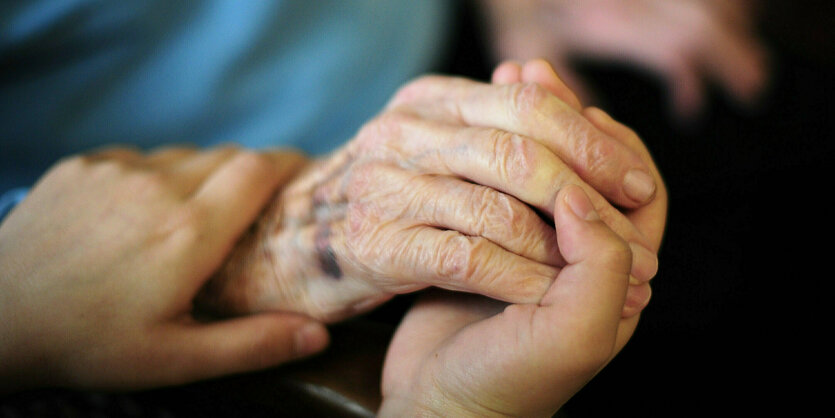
(529, 109)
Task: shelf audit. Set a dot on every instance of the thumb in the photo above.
(240, 345)
(588, 295)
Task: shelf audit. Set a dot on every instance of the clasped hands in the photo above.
(455, 185)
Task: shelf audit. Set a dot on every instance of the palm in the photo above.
(466, 347)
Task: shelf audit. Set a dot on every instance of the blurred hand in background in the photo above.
(687, 43)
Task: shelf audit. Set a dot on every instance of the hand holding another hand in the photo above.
(101, 262)
(467, 355)
(442, 189)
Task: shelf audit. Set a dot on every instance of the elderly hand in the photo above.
(461, 355)
(683, 41)
(99, 266)
(439, 190)
(465, 355)
(650, 219)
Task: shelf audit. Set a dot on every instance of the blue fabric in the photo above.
(78, 74)
(10, 199)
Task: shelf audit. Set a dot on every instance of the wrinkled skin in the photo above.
(447, 187)
(684, 42)
(466, 355)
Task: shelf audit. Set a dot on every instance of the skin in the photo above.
(447, 187)
(466, 355)
(685, 42)
(100, 264)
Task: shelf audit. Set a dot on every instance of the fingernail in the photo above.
(311, 338)
(633, 281)
(638, 185)
(644, 263)
(580, 204)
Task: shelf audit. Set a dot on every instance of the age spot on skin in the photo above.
(325, 254)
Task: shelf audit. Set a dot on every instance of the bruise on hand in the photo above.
(325, 253)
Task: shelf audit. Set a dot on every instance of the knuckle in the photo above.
(251, 163)
(356, 215)
(362, 226)
(494, 213)
(527, 99)
(597, 155)
(383, 128)
(504, 219)
(515, 156)
(413, 89)
(457, 258)
(359, 179)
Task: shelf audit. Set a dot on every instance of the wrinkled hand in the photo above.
(442, 189)
(453, 354)
(683, 41)
(100, 263)
(464, 355)
(651, 218)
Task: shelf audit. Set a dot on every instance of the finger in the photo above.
(637, 298)
(200, 351)
(532, 111)
(449, 203)
(193, 170)
(574, 82)
(337, 270)
(579, 319)
(737, 61)
(650, 219)
(406, 257)
(126, 154)
(510, 163)
(508, 72)
(539, 71)
(166, 156)
(685, 85)
(187, 166)
(590, 292)
(229, 200)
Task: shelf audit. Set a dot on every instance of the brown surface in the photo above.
(344, 381)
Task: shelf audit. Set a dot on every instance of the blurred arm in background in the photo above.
(686, 43)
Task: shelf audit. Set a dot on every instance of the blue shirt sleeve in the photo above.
(80, 74)
(10, 199)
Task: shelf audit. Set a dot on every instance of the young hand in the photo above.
(100, 263)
